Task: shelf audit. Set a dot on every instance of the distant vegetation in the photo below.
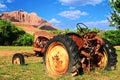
(24, 40)
(15, 36)
(115, 14)
(54, 31)
(77, 30)
(113, 36)
(12, 35)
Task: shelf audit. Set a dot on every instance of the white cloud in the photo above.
(72, 14)
(9, 1)
(103, 24)
(80, 2)
(2, 7)
(54, 21)
(97, 22)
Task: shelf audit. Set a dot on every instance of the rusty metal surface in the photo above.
(28, 55)
(77, 38)
(40, 40)
(43, 34)
(90, 51)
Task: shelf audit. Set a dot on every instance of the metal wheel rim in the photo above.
(103, 62)
(57, 59)
(16, 60)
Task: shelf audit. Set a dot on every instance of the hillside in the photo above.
(30, 22)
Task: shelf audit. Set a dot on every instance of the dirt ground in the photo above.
(6, 53)
(11, 52)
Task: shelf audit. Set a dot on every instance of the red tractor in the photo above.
(72, 53)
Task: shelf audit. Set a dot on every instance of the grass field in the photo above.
(34, 68)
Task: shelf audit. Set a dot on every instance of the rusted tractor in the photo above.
(73, 53)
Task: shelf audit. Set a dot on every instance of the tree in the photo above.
(115, 15)
(67, 30)
(95, 29)
(55, 31)
(9, 32)
(113, 36)
(24, 40)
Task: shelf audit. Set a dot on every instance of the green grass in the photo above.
(34, 69)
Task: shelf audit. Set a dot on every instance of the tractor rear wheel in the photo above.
(61, 56)
(18, 59)
(109, 57)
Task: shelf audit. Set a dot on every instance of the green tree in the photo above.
(55, 31)
(67, 30)
(95, 29)
(113, 36)
(9, 32)
(77, 30)
(82, 31)
(24, 40)
(115, 15)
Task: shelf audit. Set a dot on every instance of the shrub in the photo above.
(13, 35)
(113, 36)
(9, 32)
(24, 40)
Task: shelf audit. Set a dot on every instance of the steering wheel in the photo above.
(81, 27)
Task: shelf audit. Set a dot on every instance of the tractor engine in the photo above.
(40, 41)
(91, 51)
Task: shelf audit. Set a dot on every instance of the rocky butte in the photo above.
(30, 22)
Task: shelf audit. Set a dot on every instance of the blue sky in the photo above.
(64, 13)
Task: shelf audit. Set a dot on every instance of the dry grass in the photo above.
(9, 50)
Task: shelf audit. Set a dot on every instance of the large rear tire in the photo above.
(110, 54)
(109, 58)
(61, 56)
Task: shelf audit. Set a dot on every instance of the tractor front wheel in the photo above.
(18, 59)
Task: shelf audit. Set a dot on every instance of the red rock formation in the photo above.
(23, 18)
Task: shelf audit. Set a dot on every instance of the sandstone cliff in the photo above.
(30, 21)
